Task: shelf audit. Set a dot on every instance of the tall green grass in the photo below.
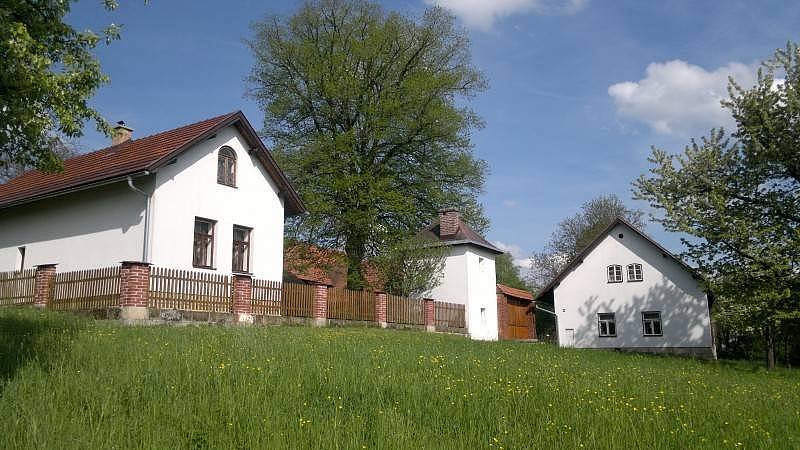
(71, 383)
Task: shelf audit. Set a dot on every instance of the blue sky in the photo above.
(579, 89)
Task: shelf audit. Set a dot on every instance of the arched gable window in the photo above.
(615, 273)
(635, 272)
(226, 166)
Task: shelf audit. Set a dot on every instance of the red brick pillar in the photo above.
(320, 312)
(242, 298)
(42, 284)
(134, 287)
(430, 314)
(532, 321)
(502, 316)
(380, 309)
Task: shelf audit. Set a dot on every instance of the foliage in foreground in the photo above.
(739, 196)
(68, 383)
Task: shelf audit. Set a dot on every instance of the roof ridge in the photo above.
(219, 117)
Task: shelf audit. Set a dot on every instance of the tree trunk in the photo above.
(355, 249)
(770, 341)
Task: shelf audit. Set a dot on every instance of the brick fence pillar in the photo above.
(320, 310)
(430, 314)
(380, 309)
(134, 287)
(242, 298)
(532, 321)
(42, 283)
(502, 316)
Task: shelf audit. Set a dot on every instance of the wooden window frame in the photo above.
(21, 251)
(226, 166)
(632, 275)
(248, 246)
(606, 321)
(653, 322)
(617, 271)
(211, 237)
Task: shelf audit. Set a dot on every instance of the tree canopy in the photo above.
(365, 111)
(574, 233)
(739, 195)
(507, 273)
(47, 75)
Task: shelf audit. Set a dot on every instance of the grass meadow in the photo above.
(67, 382)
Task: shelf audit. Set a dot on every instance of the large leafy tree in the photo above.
(574, 233)
(47, 75)
(739, 195)
(365, 111)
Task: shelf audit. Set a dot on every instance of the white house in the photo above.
(468, 276)
(206, 196)
(625, 291)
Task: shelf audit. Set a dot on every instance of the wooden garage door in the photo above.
(518, 321)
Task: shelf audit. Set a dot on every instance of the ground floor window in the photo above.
(241, 249)
(203, 252)
(606, 325)
(651, 323)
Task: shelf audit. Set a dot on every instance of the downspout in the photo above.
(146, 215)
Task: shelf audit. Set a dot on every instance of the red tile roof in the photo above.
(312, 264)
(135, 156)
(514, 292)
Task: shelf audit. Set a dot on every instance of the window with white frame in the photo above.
(651, 323)
(203, 252)
(606, 325)
(615, 273)
(635, 272)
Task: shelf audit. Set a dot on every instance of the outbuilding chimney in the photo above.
(449, 220)
(121, 133)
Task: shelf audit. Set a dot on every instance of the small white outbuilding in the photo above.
(627, 292)
(468, 276)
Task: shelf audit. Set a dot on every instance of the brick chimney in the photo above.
(121, 133)
(449, 221)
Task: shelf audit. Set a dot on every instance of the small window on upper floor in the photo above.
(226, 167)
(635, 272)
(615, 273)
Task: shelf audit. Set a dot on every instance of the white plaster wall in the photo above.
(667, 287)
(482, 294)
(468, 281)
(188, 189)
(87, 229)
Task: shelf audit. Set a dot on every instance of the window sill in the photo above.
(227, 185)
(652, 335)
(635, 281)
(615, 282)
(204, 267)
(608, 336)
(241, 272)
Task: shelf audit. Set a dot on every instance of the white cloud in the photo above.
(482, 14)
(510, 203)
(676, 97)
(518, 256)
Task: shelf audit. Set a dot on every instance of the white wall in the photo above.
(86, 229)
(468, 278)
(188, 189)
(667, 287)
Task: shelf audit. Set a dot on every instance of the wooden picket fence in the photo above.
(85, 289)
(266, 297)
(345, 304)
(189, 290)
(449, 316)
(297, 300)
(405, 310)
(17, 288)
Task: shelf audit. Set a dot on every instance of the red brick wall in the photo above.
(380, 307)
(134, 283)
(502, 316)
(320, 301)
(448, 222)
(44, 277)
(430, 315)
(242, 293)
